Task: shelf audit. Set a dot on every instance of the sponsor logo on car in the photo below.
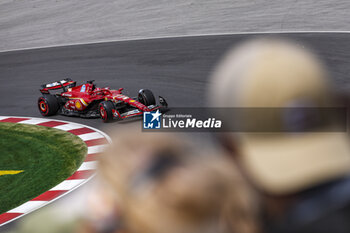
(131, 112)
(78, 104)
(83, 88)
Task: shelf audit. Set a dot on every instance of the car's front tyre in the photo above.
(146, 97)
(106, 111)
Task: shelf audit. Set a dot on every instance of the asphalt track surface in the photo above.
(175, 68)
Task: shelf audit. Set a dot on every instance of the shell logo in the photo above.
(132, 101)
(78, 104)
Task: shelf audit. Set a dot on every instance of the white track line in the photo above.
(3, 117)
(67, 127)
(96, 149)
(67, 185)
(91, 165)
(35, 121)
(90, 136)
(28, 207)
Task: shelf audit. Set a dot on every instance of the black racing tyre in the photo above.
(146, 97)
(105, 108)
(48, 105)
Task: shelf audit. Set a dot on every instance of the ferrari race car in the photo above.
(89, 101)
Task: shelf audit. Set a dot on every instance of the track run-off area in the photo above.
(95, 141)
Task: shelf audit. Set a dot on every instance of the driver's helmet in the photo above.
(91, 83)
(93, 87)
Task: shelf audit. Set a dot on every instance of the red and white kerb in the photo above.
(95, 141)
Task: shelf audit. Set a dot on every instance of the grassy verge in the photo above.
(45, 157)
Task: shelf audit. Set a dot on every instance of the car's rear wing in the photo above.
(64, 83)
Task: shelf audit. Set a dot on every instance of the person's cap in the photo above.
(278, 74)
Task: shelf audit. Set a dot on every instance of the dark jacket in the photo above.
(323, 209)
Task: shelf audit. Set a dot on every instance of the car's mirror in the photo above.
(120, 89)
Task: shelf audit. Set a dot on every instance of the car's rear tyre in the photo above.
(106, 111)
(146, 97)
(48, 105)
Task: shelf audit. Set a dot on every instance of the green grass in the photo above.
(48, 156)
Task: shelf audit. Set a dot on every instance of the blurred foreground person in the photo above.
(301, 174)
(162, 184)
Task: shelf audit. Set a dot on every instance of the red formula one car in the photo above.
(89, 101)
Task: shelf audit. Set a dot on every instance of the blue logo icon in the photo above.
(83, 88)
(151, 120)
